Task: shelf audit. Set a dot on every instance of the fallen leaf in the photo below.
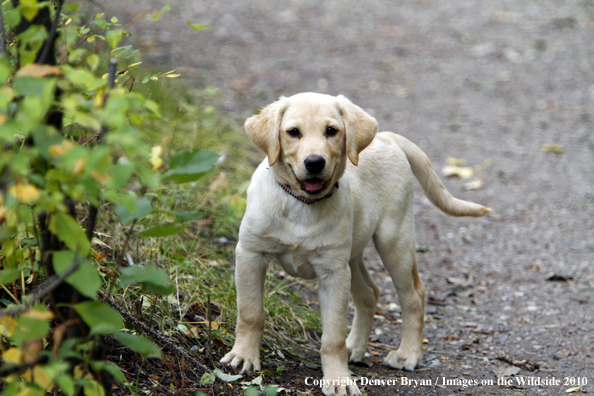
(507, 371)
(475, 184)
(463, 172)
(456, 161)
(552, 148)
(552, 277)
(461, 291)
(574, 390)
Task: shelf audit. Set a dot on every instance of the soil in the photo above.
(510, 295)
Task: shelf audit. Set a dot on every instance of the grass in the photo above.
(200, 258)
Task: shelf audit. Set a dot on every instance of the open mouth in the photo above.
(312, 186)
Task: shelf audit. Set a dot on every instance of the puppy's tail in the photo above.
(432, 186)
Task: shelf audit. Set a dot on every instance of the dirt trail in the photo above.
(490, 82)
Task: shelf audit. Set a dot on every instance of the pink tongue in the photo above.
(314, 184)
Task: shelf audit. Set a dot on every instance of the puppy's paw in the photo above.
(403, 360)
(356, 355)
(242, 362)
(340, 386)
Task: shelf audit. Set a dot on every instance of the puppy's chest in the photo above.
(300, 247)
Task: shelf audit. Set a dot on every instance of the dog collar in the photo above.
(303, 199)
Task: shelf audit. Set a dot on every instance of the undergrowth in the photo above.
(200, 259)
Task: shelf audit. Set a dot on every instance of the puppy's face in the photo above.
(312, 138)
(308, 137)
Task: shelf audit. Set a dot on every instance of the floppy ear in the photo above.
(264, 128)
(360, 128)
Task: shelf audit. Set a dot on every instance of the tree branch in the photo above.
(43, 290)
(152, 333)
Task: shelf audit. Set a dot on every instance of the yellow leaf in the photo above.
(41, 377)
(100, 257)
(173, 75)
(68, 22)
(7, 326)
(456, 161)
(13, 355)
(156, 160)
(475, 184)
(79, 165)
(463, 172)
(574, 390)
(98, 99)
(134, 64)
(99, 177)
(25, 192)
(40, 315)
(37, 70)
(552, 148)
(57, 150)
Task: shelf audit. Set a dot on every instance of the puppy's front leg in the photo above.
(250, 271)
(334, 297)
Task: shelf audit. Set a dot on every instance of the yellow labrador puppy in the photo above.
(329, 185)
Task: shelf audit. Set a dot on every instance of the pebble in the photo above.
(195, 349)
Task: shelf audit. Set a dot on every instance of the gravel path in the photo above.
(490, 82)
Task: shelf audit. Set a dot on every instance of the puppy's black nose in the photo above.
(314, 163)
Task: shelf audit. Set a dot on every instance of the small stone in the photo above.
(195, 349)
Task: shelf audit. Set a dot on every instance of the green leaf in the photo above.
(190, 166)
(227, 377)
(93, 61)
(70, 232)
(5, 69)
(152, 279)
(165, 8)
(85, 279)
(9, 275)
(208, 379)
(252, 391)
(30, 328)
(185, 216)
(100, 317)
(135, 209)
(196, 26)
(140, 344)
(115, 372)
(114, 37)
(162, 230)
(66, 384)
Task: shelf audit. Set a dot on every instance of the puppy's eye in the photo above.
(293, 132)
(331, 131)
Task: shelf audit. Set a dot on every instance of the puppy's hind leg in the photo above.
(365, 296)
(398, 255)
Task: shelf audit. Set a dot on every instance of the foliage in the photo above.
(134, 153)
(74, 142)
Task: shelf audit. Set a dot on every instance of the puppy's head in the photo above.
(308, 137)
